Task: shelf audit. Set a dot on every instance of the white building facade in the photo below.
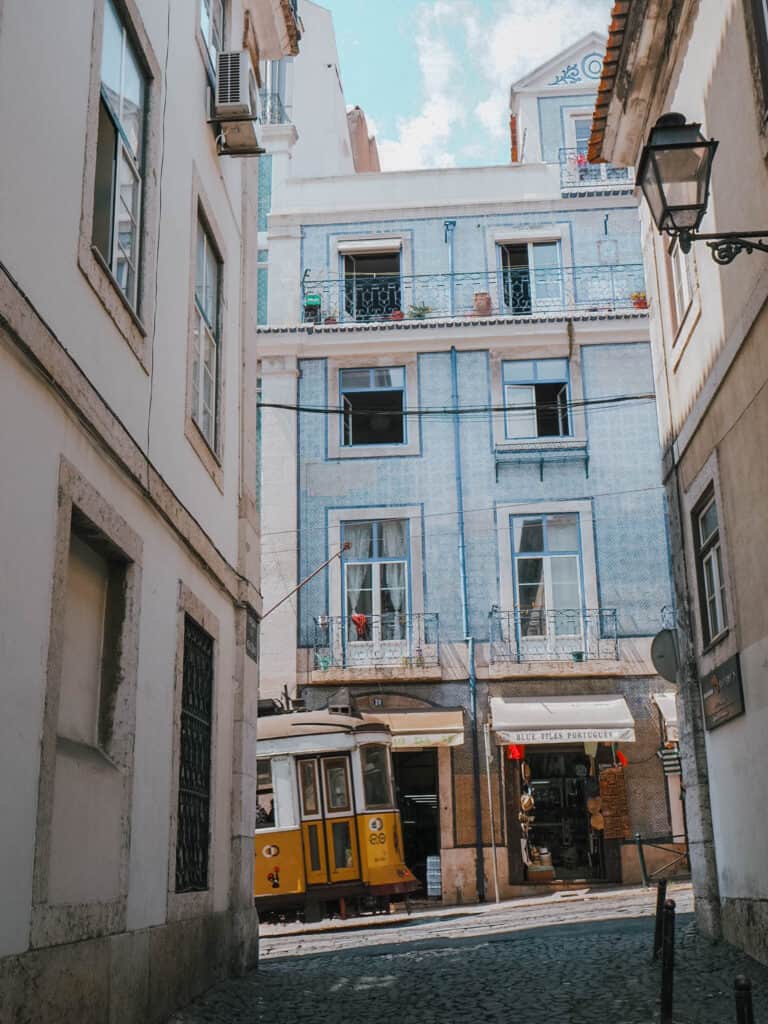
(129, 537)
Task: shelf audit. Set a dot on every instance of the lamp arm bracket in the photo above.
(727, 246)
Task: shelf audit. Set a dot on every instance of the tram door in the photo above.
(328, 820)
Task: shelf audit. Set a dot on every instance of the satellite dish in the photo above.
(664, 655)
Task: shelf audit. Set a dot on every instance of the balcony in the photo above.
(371, 642)
(272, 109)
(511, 292)
(574, 635)
(579, 178)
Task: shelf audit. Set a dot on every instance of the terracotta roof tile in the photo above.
(619, 16)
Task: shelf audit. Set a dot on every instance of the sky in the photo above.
(433, 77)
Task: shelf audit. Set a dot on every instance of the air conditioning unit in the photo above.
(236, 104)
(236, 92)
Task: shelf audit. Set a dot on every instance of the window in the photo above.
(265, 795)
(375, 776)
(531, 277)
(371, 285)
(308, 782)
(373, 401)
(547, 571)
(536, 398)
(375, 580)
(212, 27)
(760, 19)
(274, 75)
(119, 156)
(337, 785)
(194, 810)
(681, 270)
(205, 337)
(709, 568)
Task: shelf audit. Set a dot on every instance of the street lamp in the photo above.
(674, 173)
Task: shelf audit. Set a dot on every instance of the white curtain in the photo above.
(393, 538)
(395, 581)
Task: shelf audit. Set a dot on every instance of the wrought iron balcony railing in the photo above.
(577, 177)
(372, 641)
(570, 634)
(272, 109)
(518, 291)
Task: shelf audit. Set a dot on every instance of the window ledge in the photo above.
(209, 458)
(715, 641)
(102, 280)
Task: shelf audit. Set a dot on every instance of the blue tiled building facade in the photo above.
(481, 456)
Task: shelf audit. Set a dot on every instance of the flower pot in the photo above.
(397, 314)
(482, 304)
(640, 303)
(330, 320)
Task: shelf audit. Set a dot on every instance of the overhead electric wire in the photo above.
(586, 403)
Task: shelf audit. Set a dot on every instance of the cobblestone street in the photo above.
(572, 960)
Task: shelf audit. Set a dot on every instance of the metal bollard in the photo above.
(743, 990)
(667, 962)
(641, 858)
(658, 933)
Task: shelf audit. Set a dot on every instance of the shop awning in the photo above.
(668, 707)
(561, 720)
(412, 730)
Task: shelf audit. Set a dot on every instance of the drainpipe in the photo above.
(450, 227)
(479, 871)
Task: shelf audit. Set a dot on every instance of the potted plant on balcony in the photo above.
(397, 314)
(639, 300)
(331, 318)
(419, 312)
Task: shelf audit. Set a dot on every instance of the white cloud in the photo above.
(469, 53)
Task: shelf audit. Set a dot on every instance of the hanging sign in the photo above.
(251, 634)
(722, 693)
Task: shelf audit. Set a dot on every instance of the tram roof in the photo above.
(315, 723)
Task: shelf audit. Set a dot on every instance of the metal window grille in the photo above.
(193, 830)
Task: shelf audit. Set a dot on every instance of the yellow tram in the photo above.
(327, 827)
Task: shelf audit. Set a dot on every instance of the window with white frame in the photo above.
(681, 268)
(536, 398)
(206, 320)
(709, 568)
(212, 27)
(119, 155)
(373, 403)
(547, 573)
(531, 276)
(375, 580)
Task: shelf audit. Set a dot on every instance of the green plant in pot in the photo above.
(419, 312)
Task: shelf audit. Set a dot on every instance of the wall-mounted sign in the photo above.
(722, 693)
(576, 735)
(251, 634)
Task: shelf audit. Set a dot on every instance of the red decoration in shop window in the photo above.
(621, 759)
(515, 751)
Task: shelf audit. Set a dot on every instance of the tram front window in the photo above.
(265, 795)
(375, 776)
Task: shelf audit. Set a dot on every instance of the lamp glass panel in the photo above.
(653, 193)
(683, 176)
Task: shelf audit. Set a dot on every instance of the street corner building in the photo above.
(129, 590)
(458, 444)
(703, 69)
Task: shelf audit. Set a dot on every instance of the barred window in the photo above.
(194, 815)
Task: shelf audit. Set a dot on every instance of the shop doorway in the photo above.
(561, 782)
(417, 798)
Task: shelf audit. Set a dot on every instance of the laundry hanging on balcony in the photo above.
(360, 622)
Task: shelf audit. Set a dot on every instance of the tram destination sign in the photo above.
(722, 693)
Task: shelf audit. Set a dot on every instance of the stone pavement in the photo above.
(560, 961)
